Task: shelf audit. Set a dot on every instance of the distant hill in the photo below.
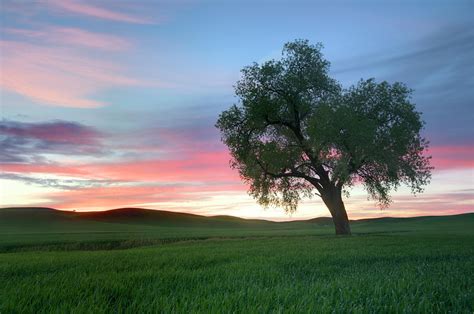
(34, 216)
(168, 218)
(41, 219)
(321, 220)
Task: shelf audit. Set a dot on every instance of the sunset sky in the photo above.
(108, 104)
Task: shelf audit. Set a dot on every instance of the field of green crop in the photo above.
(90, 266)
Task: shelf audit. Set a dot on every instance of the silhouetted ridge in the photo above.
(321, 220)
(32, 213)
(161, 217)
(133, 213)
(150, 217)
(27, 209)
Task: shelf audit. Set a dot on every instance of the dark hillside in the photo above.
(165, 218)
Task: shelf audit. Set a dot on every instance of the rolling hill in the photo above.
(38, 215)
(126, 227)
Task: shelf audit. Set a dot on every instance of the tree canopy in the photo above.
(296, 132)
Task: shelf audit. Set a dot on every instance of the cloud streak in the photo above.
(166, 197)
(98, 12)
(71, 36)
(63, 184)
(58, 76)
(210, 168)
(452, 157)
(439, 67)
(22, 142)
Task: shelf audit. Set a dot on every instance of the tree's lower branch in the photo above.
(292, 173)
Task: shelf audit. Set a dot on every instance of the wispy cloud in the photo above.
(452, 157)
(63, 184)
(165, 197)
(446, 51)
(210, 168)
(439, 68)
(96, 11)
(59, 76)
(173, 142)
(67, 36)
(26, 142)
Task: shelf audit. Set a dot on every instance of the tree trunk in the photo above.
(333, 200)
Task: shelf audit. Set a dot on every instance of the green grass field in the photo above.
(139, 261)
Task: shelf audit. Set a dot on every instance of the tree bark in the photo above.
(333, 200)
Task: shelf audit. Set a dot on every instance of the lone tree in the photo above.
(297, 133)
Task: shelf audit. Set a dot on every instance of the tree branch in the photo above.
(323, 175)
(293, 173)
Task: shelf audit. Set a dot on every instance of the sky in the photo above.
(108, 104)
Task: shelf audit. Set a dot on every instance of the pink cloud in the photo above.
(55, 169)
(87, 9)
(66, 36)
(427, 204)
(209, 168)
(60, 132)
(123, 196)
(57, 75)
(452, 157)
(111, 197)
(171, 141)
(24, 142)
